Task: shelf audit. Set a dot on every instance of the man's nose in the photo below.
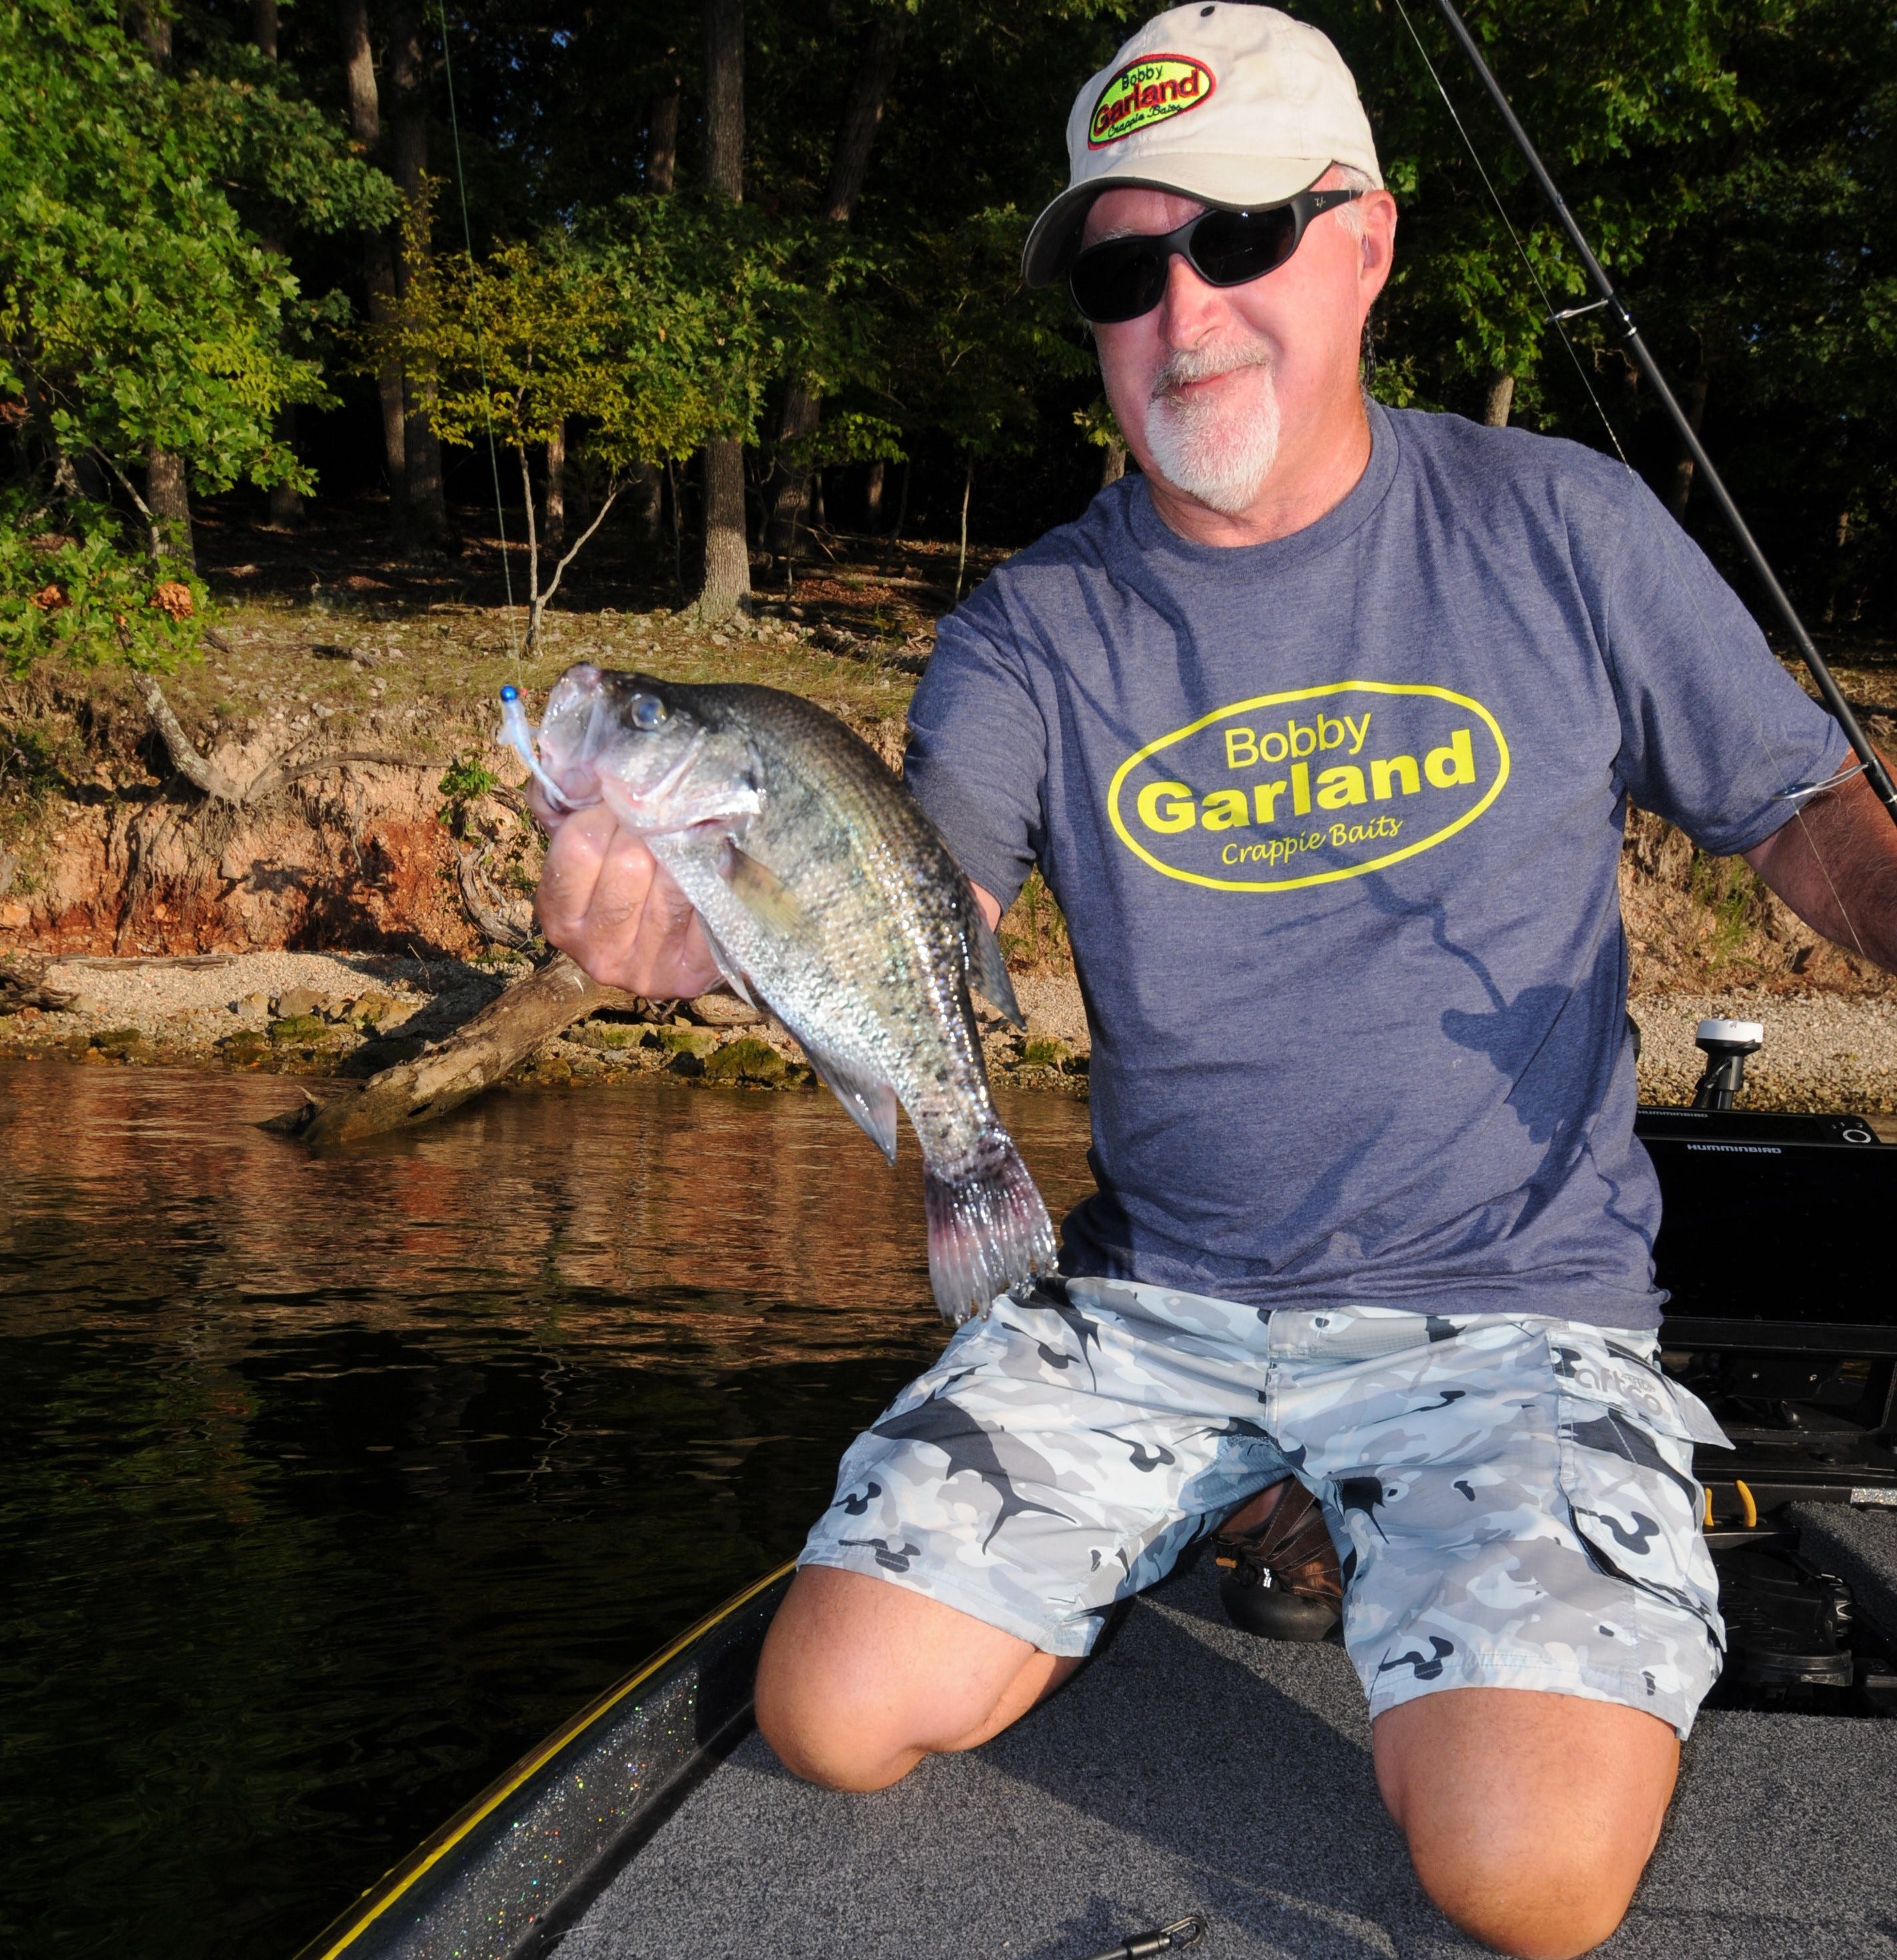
(1189, 307)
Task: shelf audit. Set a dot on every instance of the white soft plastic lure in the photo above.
(518, 733)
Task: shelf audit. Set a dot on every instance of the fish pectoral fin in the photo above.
(987, 970)
(762, 892)
(870, 1101)
(727, 965)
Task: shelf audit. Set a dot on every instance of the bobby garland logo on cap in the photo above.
(1146, 91)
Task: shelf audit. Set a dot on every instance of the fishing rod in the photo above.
(1617, 311)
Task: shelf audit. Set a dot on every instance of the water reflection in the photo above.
(331, 1483)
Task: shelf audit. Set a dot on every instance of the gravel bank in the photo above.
(310, 1013)
(1821, 1052)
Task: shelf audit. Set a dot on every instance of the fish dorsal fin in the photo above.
(987, 970)
(762, 892)
(727, 965)
(870, 1101)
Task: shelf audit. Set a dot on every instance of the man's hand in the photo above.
(1835, 864)
(605, 899)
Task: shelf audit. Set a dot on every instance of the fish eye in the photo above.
(647, 710)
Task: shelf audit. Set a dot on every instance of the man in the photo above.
(1322, 729)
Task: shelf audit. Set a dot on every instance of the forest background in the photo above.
(697, 293)
(741, 240)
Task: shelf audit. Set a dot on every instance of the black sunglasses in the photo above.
(1120, 278)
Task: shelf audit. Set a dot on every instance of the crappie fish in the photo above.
(825, 893)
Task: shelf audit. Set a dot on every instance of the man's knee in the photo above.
(860, 1679)
(1530, 1817)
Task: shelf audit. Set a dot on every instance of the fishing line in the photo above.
(1869, 764)
(1555, 319)
(480, 344)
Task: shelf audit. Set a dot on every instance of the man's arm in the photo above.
(1835, 864)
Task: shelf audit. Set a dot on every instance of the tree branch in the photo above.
(476, 1054)
(202, 774)
(487, 920)
(612, 496)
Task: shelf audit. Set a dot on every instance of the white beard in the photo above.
(1218, 456)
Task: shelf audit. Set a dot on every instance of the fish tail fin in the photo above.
(988, 1227)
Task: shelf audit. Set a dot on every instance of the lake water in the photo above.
(329, 1485)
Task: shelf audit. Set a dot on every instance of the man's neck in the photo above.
(1313, 477)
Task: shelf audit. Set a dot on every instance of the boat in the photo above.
(1196, 1784)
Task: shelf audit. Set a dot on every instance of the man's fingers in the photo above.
(549, 819)
(576, 856)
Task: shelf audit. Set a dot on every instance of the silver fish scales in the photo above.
(826, 893)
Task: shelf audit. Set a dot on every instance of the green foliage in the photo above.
(465, 779)
(136, 310)
(77, 592)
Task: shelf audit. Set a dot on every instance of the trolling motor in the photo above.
(1725, 1045)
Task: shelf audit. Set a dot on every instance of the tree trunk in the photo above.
(421, 449)
(474, 1057)
(154, 31)
(286, 504)
(789, 493)
(1682, 485)
(662, 143)
(555, 498)
(787, 498)
(168, 495)
(1113, 463)
(873, 499)
(1499, 400)
(365, 128)
(724, 97)
(968, 490)
(727, 555)
(647, 482)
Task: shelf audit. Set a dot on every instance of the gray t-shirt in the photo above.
(1335, 822)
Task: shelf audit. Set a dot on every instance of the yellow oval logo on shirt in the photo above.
(1146, 91)
(1285, 790)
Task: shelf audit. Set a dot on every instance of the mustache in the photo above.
(1195, 363)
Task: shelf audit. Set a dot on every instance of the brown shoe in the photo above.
(1279, 1575)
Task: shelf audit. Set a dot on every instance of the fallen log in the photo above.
(453, 1070)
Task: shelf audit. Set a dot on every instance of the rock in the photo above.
(687, 1064)
(305, 1030)
(1043, 1052)
(254, 1004)
(698, 1041)
(296, 1004)
(86, 1004)
(609, 1037)
(244, 1049)
(746, 1060)
(722, 1011)
(125, 1045)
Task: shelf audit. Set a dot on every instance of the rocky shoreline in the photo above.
(351, 1014)
(317, 1014)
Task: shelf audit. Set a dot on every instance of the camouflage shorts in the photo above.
(1512, 1497)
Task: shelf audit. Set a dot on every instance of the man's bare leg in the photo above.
(860, 1679)
(1530, 1817)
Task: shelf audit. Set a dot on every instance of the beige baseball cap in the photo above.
(1232, 104)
